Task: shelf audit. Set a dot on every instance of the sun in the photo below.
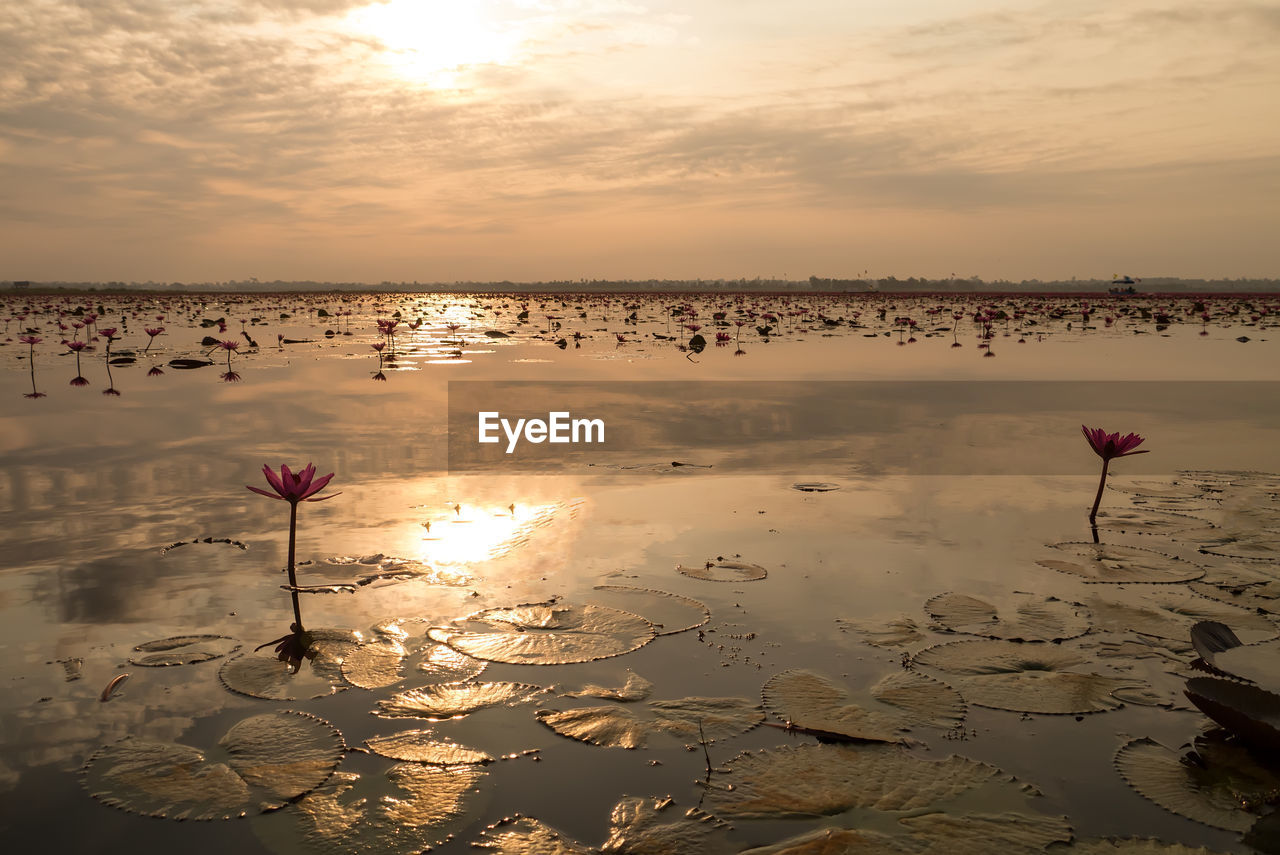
(433, 41)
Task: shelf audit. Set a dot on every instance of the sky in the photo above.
(482, 140)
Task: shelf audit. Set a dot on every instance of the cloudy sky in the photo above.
(201, 140)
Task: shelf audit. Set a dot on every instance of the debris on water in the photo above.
(110, 690)
(72, 668)
(183, 650)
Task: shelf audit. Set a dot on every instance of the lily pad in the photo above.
(813, 703)
(374, 666)
(816, 487)
(183, 650)
(1025, 617)
(1218, 782)
(443, 664)
(429, 804)
(669, 613)
(524, 835)
(824, 780)
(688, 719)
(261, 764)
(1140, 520)
(637, 688)
(1170, 613)
(453, 700)
(899, 632)
(1105, 562)
(424, 746)
(920, 699)
(636, 827)
(259, 674)
(725, 571)
(549, 633)
(978, 834)
(1031, 678)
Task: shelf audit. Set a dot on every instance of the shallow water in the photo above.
(958, 494)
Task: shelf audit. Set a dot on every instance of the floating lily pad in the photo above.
(452, 700)
(424, 746)
(549, 633)
(1218, 783)
(815, 704)
(374, 666)
(920, 699)
(429, 804)
(1254, 587)
(1104, 562)
(261, 764)
(523, 835)
(637, 688)
(1032, 678)
(636, 827)
(1170, 613)
(978, 834)
(1158, 489)
(632, 726)
(260, 674)
(443, 664)
(725, 571)
(816, 487)
(669, 613)
(1024, 617)
(898, 632)
(183, 650)
(824, 780)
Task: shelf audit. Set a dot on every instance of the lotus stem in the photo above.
(293, 579)
(1102, 483)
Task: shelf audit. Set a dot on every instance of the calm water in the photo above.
(939, 495)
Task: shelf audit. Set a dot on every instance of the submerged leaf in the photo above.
(1104, 562)
(261, 764)
(183, 650)
(688, 719)
(452, 700)
(1026, 617)
(899, 632)
(549, 633)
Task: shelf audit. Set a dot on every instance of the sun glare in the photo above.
(432, 42)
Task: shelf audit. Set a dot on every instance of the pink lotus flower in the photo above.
(1109, 446)
(294, 488)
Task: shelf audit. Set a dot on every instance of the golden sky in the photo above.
(201, 140)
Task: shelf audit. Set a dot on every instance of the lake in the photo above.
(831, 571)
